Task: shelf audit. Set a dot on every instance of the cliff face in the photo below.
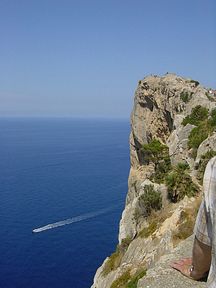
(166, 154)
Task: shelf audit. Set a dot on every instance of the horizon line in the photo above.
(66, 116)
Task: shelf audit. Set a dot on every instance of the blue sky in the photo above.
(84, 58)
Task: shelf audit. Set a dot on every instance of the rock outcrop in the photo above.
(162, 275)
(160, 154)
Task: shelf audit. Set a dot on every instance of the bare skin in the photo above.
(200, 261)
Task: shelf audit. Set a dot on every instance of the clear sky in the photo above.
(84, 57)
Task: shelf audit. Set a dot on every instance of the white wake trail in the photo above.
(73, 220)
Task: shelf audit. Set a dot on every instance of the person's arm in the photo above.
(201, 260)
(198, 266)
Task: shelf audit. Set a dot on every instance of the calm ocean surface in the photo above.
(52, 170)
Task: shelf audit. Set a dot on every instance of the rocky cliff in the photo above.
(172, 137)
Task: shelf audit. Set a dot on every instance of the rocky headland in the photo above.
(172, 138)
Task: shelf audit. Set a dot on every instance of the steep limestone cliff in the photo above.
(172, 136)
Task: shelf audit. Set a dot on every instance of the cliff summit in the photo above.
(172, 137)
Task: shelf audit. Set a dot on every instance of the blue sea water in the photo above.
(51, 170)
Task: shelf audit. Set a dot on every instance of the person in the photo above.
(203, 261)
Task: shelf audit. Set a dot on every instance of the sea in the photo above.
(66, 179)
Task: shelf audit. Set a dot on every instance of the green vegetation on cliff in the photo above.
(134, 280)
(177, 179)
(212, 120)
(149, 230)
(150, 200)
(186, 96)
(126, 280)
(180, 184)
(205, 123)
(154, 150)
(114, 260)
(196, 83)
(157, 153)
(198, 114)
(122, 281)
(203, 162)
(198, 135)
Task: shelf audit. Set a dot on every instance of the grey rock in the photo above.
(127, 227)
(205, 146)
(177, 142)
(162, 275)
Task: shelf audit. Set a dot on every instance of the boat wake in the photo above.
(74, 219)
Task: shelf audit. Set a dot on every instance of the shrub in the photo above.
(154, 150)
(202, 131)
(161, 169)
(196, 83)
(180, 184)
(158, 153)
(197, 136)
(205, 126)
(150, 200)
(203, 162)
(183, 166)
(197, 115)
(185, 96)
